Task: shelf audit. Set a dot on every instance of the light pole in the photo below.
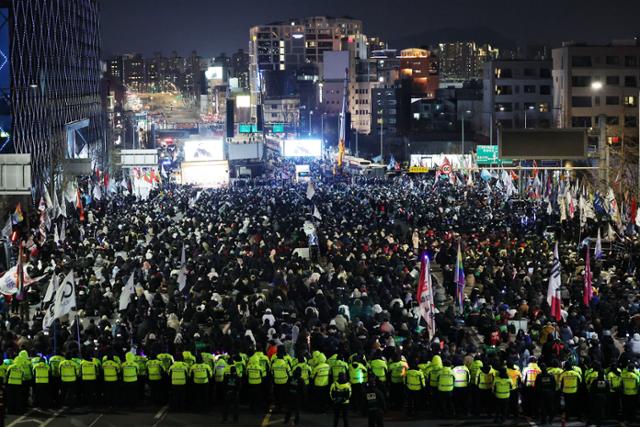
(310, 121)
(529, 108)
(381, 141)
(462, 118)
(603, 148)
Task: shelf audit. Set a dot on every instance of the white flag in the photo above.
(97, 192)
(125, 296)
(63, 230)
(54, 283)
(56, 236)
(182, 275)
(65, 299)
(311, 191)
(47, 198)
(316, 213)
(8, 228)
(63, 208)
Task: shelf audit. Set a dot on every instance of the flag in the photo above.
(65, 299)
(424, 295)
(97, 192)
(311, 191)
(7, 229)
(79, 205)
(460, 280)
(18, 217)
(553, 291)
(125, 295)
(63, 208)
(588, 280)
(56, 235)
(10, 281)
(182, 275)
(163, 172)
(598, 250)
(42, 206)
(54, 283)
(316, 213)
(106, 179)
(63, 230)
(534, 174)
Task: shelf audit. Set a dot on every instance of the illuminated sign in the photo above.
(247, 128)
(302, 148)
(243, 101)
(278, 128)
(418, 169)
(196, 150)
(214, 73)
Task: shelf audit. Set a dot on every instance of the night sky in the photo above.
(213, 26)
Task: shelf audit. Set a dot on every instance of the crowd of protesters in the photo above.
(253, 293)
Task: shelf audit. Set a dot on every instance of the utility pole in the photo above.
(358, 153)
(603, 163)
(381, 142)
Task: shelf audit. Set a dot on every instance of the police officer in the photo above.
(69, 376)
(156, 379)
(415, 382)
(54, 365)
(545, 389)
(320, 377)
(110, 374)
(15, 396)
(502, 390)
(200, 374)
(378, 367)
(255, 377)
(232, 386)
(178, 372)
(340, 394)
(376, 405)
(446, 381)
(280, 372)
(41, 389)
(630, 382)
(130, 380)
(529, 375)
(598, 393)
(484, 384)
(398, 370)
(295, 396)
(220, 369)
(461, 389)
(89, 375)
(569, 383)
(357, 378)
(615, 384)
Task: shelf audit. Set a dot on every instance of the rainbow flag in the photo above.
(459, 278)
(18, 217)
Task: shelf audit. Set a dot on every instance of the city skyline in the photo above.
(215, 28)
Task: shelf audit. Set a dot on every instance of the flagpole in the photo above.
(55, 341)
(78, 331)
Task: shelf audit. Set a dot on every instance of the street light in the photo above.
(310, 119)
(530, 107)
(596, 85)
(462, 118)
(603, 146)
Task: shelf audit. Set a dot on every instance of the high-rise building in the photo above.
(461, 61)
(591, 81)
(54, 109)
(156, 71)
(240, 68)
(193, 75)
(419, 69)
(517, 94)
(135, 74)
(283, 45)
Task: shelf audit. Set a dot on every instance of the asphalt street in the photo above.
(161, 417)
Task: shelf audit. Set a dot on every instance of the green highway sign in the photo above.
(247, 128)
(488, 155)
(278, 128)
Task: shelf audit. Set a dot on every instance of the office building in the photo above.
(461, 61)
(283, 45)
(51, 96)
(591, 81)
(517, 94)
(419, 70)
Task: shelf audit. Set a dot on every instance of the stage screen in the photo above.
(198, 150)
(302, 148)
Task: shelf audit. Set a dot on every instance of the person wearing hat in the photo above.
(200, 374)
(375, 403)
(569, 384)
(232, 386)
(179, 373)
(502, 390)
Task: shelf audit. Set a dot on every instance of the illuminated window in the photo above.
(629, 101)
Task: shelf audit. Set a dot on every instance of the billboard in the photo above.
(301, 148)
(5, 81)
(426, 162)
(210, 174)
(199, 150)
(214, 73)
(543, 144)
(243, 101)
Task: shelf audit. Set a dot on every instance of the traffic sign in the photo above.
(278, 128)
(247, 128)
(488, 155)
